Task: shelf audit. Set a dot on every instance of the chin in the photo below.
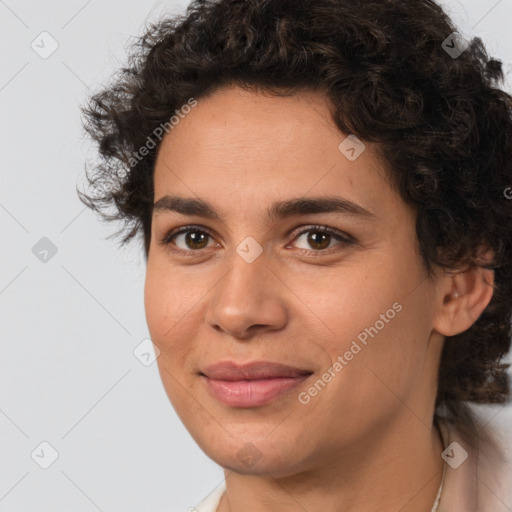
(252, 454)
(277, 466)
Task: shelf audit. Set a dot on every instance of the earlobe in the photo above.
(464, 298)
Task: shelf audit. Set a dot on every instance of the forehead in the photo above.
(254, 147)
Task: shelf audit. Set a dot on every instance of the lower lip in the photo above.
(252, 393)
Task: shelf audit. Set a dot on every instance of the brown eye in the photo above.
(319, 238)
(191, 239)
(196, 239)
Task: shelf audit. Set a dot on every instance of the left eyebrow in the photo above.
(312, 205)
(278, 210)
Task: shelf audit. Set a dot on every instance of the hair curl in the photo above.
(443, 126)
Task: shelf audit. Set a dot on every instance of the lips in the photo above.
(252, 371)
(251, 385)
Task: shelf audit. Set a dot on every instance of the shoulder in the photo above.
(210, 502)
(478, 465)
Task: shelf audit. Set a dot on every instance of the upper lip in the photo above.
(230, 370)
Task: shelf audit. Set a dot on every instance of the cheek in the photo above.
(173, 307)
(156, 305)
(351, 302)
(164, 306)
(166, 301)
(373, 380)
(378, 323)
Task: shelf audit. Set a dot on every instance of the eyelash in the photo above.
(343, 239)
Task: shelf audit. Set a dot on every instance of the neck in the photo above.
(398, 470)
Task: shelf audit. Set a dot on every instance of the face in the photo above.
(251, 279)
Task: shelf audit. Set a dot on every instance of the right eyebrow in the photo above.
(186, 206)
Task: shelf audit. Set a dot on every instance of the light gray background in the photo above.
(69, 326)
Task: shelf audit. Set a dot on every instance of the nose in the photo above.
(248, 300)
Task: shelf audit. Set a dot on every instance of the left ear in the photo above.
(463, 296)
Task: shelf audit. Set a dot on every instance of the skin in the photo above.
(366, 440)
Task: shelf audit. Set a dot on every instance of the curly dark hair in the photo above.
(440, 121)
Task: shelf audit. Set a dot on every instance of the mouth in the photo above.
(251, 385)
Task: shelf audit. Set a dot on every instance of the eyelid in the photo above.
(323, 229)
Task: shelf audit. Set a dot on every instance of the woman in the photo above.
(321, 188)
